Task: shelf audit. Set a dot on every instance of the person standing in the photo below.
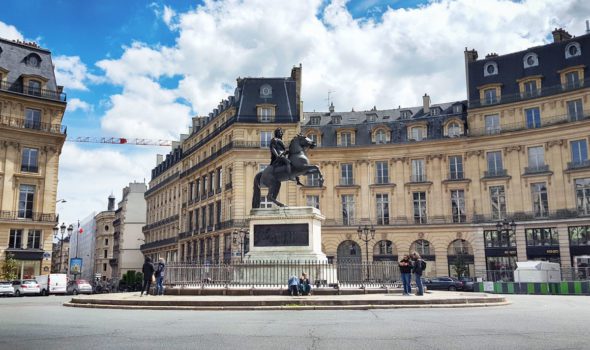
(405, 268)
(418, 266)
(148, 274)
(160, 274)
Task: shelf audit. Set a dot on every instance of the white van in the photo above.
(54, 283)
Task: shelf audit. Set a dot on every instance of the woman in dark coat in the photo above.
(148, 274)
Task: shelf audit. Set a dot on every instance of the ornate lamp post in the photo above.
(366, 234)
(505, 226)
(240, 234)
(62, 230)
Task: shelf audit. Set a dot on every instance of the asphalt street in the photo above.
(530, 322)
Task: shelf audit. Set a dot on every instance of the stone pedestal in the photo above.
(292, 234)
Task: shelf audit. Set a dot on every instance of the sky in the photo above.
(142, 69)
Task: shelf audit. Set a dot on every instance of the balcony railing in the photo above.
(495, 173)
(345, 181)
(455, 176)
(536, 169)
(19, 88)
(581, 164)
(27, 215)
(21, 123)
(159, 243)
(228, 186)
(418, 178)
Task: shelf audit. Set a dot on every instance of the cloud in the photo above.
(9, 32)
(168, 16)
(75, 104)
(72, 73)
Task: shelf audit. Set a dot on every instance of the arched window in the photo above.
(460, 247)
(380, 136)
(417, 133)
(460, 258)
(384, 251)
(422, 247)
(349, 252)
(453, 129)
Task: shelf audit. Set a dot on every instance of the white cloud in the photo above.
(75, 104)
(9, 32)
(168, 16)
(72, 73)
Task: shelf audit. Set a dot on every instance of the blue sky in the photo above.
(142, 69)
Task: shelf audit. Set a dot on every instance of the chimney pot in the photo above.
(560, 34)
(426, 103)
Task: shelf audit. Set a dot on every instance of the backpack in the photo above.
(423, 264)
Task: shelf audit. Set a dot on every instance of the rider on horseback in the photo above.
(279, 155)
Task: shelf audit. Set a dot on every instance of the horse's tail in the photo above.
(256, 195)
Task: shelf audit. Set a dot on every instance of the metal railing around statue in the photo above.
(275, 274)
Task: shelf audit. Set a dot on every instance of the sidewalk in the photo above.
(434, 299)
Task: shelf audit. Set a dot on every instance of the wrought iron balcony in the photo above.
(580, 164)
(27, 215)
(456, 176)
(418, 178)
(21, 123)
(536, 169)
(19, 88)
(495, 173)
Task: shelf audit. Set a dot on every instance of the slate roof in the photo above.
(283, 96)
(510, 66)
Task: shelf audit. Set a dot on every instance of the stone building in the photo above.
(104, 240)
(32, 106)
(60, 256)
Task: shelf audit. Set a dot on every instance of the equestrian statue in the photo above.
(285, 165)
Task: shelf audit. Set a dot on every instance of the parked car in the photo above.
(443, 283)
(26, 287)
(6, 288)
(467, 283)
(55, 283)
(79, 287)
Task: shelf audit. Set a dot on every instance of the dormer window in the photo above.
(314, 120)
(266, 113)
(336, 119)
(34, 87)
(417, 133)
(458, 108)
(371, 118)
(454, 129)
(435, 111)
(405, 114)
(573, 50)
(380, 137)
(530, 60)
(490, 68)
(33, 60)
(265, 91)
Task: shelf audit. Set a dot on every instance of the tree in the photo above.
(460, 265)
(9, 269)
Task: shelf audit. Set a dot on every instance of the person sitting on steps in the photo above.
(293, 286)
(304, 285)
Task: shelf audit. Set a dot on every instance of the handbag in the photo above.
(153, 279)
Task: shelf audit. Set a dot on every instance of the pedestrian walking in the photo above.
(405, 268)
(418, 266)
(148, 274)
(160, 274)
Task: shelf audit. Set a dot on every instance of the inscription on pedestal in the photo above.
(281, 235)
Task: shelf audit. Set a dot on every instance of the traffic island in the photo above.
(278, 302)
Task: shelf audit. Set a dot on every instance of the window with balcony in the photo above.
(455, 168)
(218, 212)
(583, 196)
(536, 160)
(34, 87)
(211, 212)
(348, 209)
(417, 133)
(380, 137)
(533, 118)
(34, 239)
(453, 129)
(15, 240)
(492, 124)
(419, 199)
(572, 80)
(458, 205)
(498, 202)
(490, 96)
(381, 172)
(312, 200)
(575, 110)
(530, 89)
(346, 176)
(539, 199)
(579, 149)
(265, 137)
(32, 118)
(29, 161)
(25, 201)
(541, 237)
(382, 202)
(418, 171)
(495, 167)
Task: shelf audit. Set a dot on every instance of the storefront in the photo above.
(500, 251)
(579, 238)
(28, 262)
(542, 244)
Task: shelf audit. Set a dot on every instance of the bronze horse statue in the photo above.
(274, 174)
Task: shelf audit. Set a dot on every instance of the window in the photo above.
(536, 158)
(313, 137)
(531, 60)
(572, 80)
(435, 111)
(211, 212)
(405, 114)
(266, 91)
(265, 137)
(417, 133)
(579, 151)
(455, 168)
(265, 203)
(490, 68)
(495, 167)
(583, 196)
(336, 119)
(106, 241)
(345, 139)
(105, 254)
(530, 89)
(34, 88)
(104, 267)
(539, 199)
(383, 248)
(541, 237)
(419, 207)
(16, 239)
(265, 114)
(457, 108)
(29, 162)
(380, 137)
(502, 239)
(197, 189)
(204, 215)
(418, 172)
(32, 118)
(579, 235)
(454, 129)
(490, 96)
(34, 239)
(25, 201)
(382, 200)
(498, 199)
(313, 180)
(492, 124)
(314, 120)
(313, 201)
(572, 50)
(211, 181)
(533, 118)
(218, 212)
(348, 209)
(575, 110)
(381, 173)
(346, 178)
(421, 247)
(219, 178)
(458, 205)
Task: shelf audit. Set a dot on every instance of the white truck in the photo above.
(54, 283)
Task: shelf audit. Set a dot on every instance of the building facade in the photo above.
(32, 106)
(104, 241)
(60, 256)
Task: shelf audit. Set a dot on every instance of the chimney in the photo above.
(559, 35)
(426, 103)
(296, 75)
(331, 107)
(159, 159)
(111, 205)
(470, 55)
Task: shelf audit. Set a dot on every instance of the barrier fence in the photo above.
(567, 274)
(276, 274)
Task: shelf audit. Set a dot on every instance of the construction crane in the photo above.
(121, 141)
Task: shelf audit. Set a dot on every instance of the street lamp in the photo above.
(504, 225)
(242, 233)
(61, 201)
(366, 234)
(62, 230)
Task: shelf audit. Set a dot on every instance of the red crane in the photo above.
(120, 141)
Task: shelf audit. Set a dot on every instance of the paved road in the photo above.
(530, 322)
